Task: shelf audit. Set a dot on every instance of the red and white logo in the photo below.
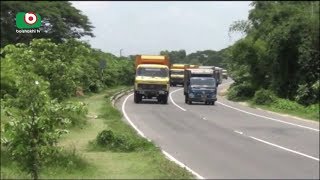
(30, 18)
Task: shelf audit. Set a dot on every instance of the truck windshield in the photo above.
(202, 82)
(177, 72)
(157, 72)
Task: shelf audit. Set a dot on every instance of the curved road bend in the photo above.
(228, 140)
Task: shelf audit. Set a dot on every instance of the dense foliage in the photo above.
(36, 82)
(66, 67)
(280, 51)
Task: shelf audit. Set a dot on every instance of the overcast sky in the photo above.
(143, 27)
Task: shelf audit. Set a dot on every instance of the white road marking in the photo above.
(126, 116)
(268, 117)
(174, 102)
(181, 164)
(239, 132)
(170, 157)
(306, 127)
(281, 147)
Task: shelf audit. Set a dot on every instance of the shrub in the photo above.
(240, 92)
(307, 95)
(109, 140)
(264, 97)
(314, 110)
(285, 104)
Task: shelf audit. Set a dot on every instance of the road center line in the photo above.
(281, 147)
(239, 132)
(174, 102)
(273, 119)
(317, 130)
(170, 157)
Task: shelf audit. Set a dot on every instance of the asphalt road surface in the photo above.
(228, 140)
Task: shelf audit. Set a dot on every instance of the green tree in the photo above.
(60, 21)
(281, 49)
(175, 56)
(35, 124)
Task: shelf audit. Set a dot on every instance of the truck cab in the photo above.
(177, 74)
(200, 86)
(152, 78)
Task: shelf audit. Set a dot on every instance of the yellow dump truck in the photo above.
(152, 78)
(177, 74)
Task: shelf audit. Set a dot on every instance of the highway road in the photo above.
(227, 140)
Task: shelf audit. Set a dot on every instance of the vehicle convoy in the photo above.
(152, 78)
(200, 86)
(177, 74)
(217, 71)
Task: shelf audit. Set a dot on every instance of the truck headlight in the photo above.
(191, 95)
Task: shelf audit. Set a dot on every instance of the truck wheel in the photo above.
(185, 99)
(213, 102)
(137, 97)
(189, 101)
(165, 99)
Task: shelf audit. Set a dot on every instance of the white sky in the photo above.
(143, 27)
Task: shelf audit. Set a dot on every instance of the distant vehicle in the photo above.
(224, 74)
(152, 78)
(177, 73)
(193, 66)
(200, 86)
(217, 71)
(218, 74)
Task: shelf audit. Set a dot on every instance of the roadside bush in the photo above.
(307, 95)
(314, 110)
(109, 140)
(285, 104)
(264, 97)
(240, 92)
(74, 111)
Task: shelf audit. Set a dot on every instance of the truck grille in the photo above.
(152, 86)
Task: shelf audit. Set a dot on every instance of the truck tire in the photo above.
(213, 102)
(185, 99)
(137, 98)
(189, 101)
(165, 99)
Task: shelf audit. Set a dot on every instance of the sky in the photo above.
(142, 27)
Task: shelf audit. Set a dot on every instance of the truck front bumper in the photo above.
(176, 80)
(146, 92)
(203, 98)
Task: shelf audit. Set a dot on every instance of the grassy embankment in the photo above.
(83, 158)
(282, 106)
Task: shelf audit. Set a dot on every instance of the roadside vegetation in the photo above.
(276, 66)
(105, 148)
